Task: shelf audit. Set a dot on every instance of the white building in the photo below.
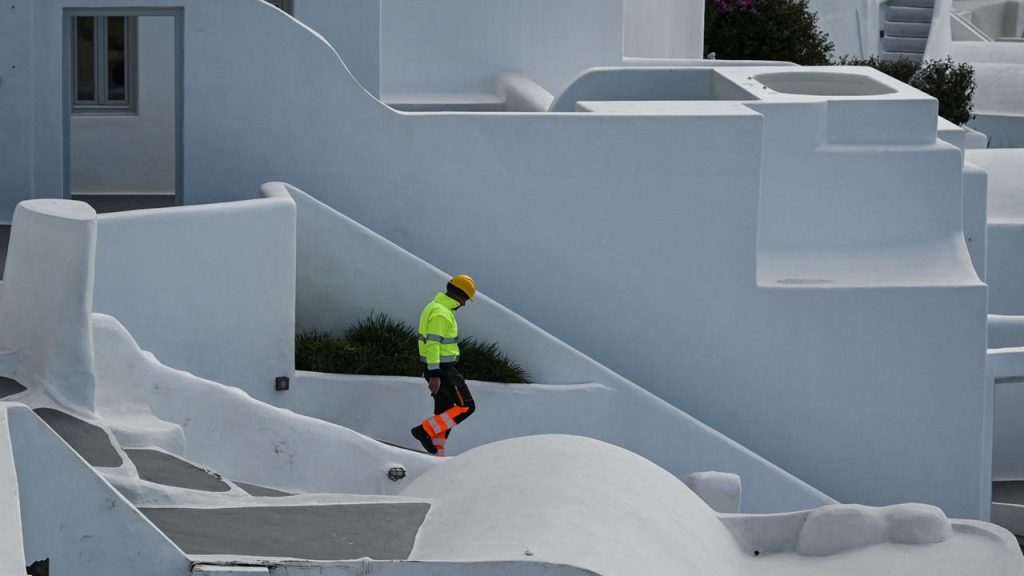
(766, 270)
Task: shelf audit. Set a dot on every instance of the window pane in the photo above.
(85, 30)
(117, 66)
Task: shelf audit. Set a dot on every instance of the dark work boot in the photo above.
(420, 434)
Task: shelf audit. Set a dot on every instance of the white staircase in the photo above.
(905, 29)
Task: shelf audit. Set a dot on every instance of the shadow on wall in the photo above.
(5, 238)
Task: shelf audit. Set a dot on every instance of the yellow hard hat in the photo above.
(464, 283)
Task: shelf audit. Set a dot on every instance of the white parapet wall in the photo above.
(346, 272)
(208, 288)
(238, 436)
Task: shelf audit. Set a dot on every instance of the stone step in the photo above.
(914, 56)
(908, 29)
(908, 14)
(901, 44)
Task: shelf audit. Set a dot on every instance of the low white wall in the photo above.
(976, 217)
(12, 549)
(1002, 130)
(46, 298)
(133, 153)
(1006, 374)
(1006, 268)
(1005, 272)
(460, 46)
(1005, 331)
(75, 518)
(238, 436)
(620, 415)
(208, 289)
(647, 84)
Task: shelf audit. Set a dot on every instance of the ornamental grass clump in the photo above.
(784, 30)
(378, 345)
(949, 82)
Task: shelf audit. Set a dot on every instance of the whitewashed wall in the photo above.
(207, 288)
(16, 110)
(654, 216)
(238, 436)
(48, 283)
(12, 549)
(353, 29)
(1005, 228)
(132, 152)
(1006, 384)
(345, 272)
(663, 28)
(460, 46)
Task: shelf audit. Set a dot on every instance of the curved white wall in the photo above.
(353, 29)
(47, 284)
(238, 436)
(207, 288)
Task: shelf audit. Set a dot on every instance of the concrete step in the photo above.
(901, 44)
(907, 14)
(914, 56)
(908, 29)
(383, 531)
(912, 3)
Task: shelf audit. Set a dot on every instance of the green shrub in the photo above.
(765, 30)
(381, 346)
(952, 84)
(949, 82)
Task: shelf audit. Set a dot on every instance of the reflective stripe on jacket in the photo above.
(439, 332)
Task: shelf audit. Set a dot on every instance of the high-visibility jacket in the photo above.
(439, 333)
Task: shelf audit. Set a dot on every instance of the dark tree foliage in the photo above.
(949, 82)
(765, 30)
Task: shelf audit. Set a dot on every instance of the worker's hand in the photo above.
(434, 384)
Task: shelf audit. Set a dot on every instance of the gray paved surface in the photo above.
(91, 442)
(9, 387)
(331, 532)
(168, 470)
(1008, 491)
(255, 490)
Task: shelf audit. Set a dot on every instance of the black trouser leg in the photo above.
(453, 392)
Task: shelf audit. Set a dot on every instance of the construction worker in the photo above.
(439, 351)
